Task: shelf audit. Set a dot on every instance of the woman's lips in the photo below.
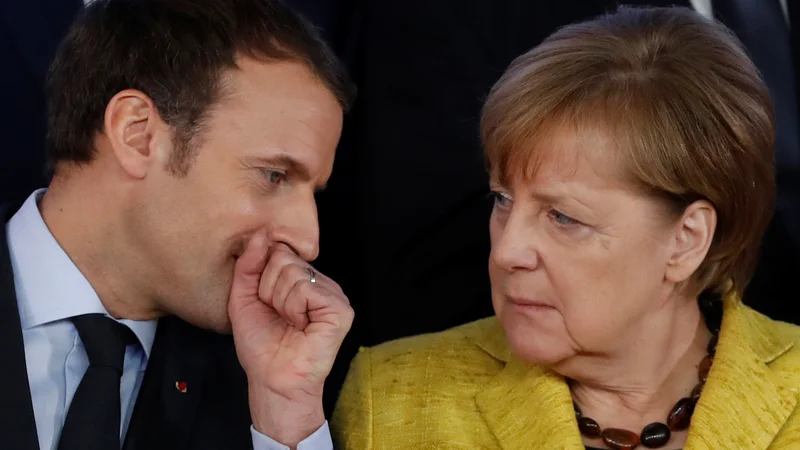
(529, 305)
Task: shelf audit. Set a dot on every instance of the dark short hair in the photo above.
(175, 51)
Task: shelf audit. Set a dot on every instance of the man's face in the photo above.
(267, 147)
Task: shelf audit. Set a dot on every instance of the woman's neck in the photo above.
(640, 383)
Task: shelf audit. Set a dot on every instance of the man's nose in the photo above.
(298, 228)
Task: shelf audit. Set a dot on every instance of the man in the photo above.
(188, 137)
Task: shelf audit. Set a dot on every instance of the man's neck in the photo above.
(85, 228)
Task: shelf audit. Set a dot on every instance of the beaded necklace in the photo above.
(657, 434)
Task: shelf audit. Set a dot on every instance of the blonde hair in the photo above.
(687, 109)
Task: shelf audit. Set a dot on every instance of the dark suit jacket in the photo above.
(30, 31)
(213, 414)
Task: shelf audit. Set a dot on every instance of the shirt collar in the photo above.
(49, 286)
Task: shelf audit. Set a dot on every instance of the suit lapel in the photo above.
(164, 416)
(745, 402)
(529, 407)
(17, 424)
(525, 406)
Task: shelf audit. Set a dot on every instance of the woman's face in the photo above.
(579, 258)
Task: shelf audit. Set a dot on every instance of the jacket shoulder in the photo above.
(469, 344)
(410, 384)
(451, 363)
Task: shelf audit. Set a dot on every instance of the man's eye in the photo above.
(274, 176)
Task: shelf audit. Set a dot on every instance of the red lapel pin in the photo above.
(181, 386)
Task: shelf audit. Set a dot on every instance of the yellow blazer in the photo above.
(463, 389)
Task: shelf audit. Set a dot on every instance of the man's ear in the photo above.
(694, 234)
(134, 130)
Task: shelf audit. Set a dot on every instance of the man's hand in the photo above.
(287, 332)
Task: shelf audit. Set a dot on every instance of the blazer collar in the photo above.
(525, 406)
(529, 407)
(744, 404)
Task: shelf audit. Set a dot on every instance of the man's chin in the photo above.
(225, 328)
(222, 325)
(218, 323)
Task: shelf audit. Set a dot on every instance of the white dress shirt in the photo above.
(51, 289)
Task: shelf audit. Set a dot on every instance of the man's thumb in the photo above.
(248, 269)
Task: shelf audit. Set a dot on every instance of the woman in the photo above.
(631, 166)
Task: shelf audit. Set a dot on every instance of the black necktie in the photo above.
(93, 419)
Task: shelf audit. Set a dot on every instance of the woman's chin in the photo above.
(537, 346)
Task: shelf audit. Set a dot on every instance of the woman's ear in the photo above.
(694, 234)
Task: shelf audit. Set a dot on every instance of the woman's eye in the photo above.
(561, 218)
(274, 176)
(500, 199)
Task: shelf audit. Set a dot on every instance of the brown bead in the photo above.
(618, 439)
(681, 415)
(589, 427)
(655, 435)
(712, 346)
(705, 367)
(695, 395)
